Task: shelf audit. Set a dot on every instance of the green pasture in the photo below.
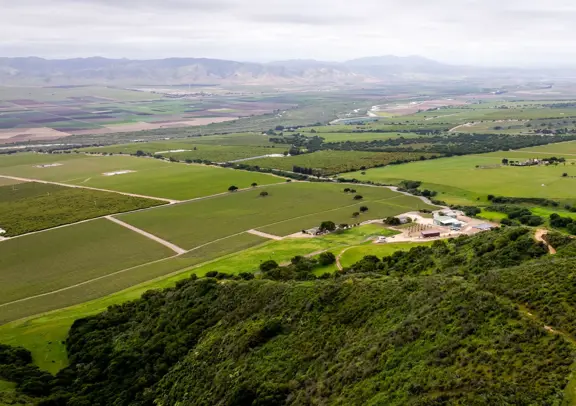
(55, 259)
(467, 178)
(31, 206)
(122, 277)
(256, 139)
(151, 177)
(565, 149)
(44, 334)
(287, 209)
(192, 151)
(355, 254)
(492, 215)
(30, 159)
(332, 162)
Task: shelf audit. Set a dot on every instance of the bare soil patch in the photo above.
(416, 106)
(30, 134)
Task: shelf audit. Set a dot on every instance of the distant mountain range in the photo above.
(97, 70)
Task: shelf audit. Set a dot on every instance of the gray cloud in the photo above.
(484, 32)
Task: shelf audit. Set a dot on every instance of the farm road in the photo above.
(91, 188)
(539, 236)
(173, 247)
(265, 235)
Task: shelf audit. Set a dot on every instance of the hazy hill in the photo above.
(97, 70)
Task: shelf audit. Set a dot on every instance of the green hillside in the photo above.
(483, 320)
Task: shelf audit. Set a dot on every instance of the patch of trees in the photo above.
(392, 221)
(522, 200)
(469, 255)
(450, 144)
(16, 366)
(517, 214)
(307, 171)
(412, 187)
(567, 223)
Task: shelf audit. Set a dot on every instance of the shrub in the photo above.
(326, 258)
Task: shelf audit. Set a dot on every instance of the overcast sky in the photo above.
(479, 32)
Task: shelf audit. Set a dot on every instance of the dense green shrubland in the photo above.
(434, 325)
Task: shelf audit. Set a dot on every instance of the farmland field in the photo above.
(183, 150)
(150, 177)
(332, 162)
(32, 206)
(286, 210)
(121, 276)
(46, 113)
(59, 258)
(459, 180)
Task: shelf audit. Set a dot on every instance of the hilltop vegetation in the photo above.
(433, 325)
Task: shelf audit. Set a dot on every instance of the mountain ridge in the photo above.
(100, 70)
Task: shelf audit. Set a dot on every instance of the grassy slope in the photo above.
(287, 209)
(151, 177)
(355, 254)
(44, 334)
(459, 178)
(31, 206)
(58, 258)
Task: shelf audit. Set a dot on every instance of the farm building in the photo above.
(484, 227)
(446, 221)
(404, 219)
(430, 234)
(451, 214)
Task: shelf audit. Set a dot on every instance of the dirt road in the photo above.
(173, 247)
(265, 235)
(539, 236)
(171, 201)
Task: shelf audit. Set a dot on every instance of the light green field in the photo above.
(55, 259)
(460, 181)
(355, 254)
(565, 149)
(288, 209)
(192, 151)
(151, 177)
(44, 334)
(492, 215)
(30, 159)
(256, 139)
